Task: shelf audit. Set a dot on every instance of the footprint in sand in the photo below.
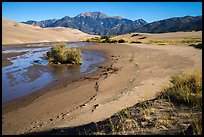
(94, 107)
(83, 105)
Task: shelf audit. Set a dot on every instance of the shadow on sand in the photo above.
(79, 130)
(198, 46)
(86, 129)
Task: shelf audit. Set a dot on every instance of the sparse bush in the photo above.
(95, 39)
(105, 37)
(121, 41)
(60, 54)
(88, 40)
(192, 40)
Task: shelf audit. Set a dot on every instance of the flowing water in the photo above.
(30, 72)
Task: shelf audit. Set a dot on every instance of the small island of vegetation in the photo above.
(60, 54)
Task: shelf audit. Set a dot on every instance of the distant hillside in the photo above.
(98, 23)
(16, 33)
(187, 23)
(93, 23)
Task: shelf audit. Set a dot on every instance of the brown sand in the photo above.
(172, 36)
(5, 61)
(131, 74)
(34, 34)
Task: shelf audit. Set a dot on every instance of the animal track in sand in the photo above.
(108, 70)
(96, 86)
(36, 125)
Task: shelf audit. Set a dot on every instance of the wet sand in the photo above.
(5, 61)
(131, 73)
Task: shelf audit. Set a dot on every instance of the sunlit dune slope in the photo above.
(16, 33)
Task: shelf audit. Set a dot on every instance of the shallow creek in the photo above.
(30, 72)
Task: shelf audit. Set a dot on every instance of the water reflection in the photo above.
(60, 71)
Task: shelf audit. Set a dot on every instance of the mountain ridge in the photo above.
(98, 23)
(186, 23)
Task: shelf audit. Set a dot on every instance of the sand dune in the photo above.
(161, 36)
(16, 33)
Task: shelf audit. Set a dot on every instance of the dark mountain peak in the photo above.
(29, 22)
(188, 16)
(66, 17)
(93, 15)
(180, 18)
(141, 21)
(50, 20)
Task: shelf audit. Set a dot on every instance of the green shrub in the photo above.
(112, 41)
(59, 54)
(95, 39)
(105, 37)
(88, 40)
(109, 41)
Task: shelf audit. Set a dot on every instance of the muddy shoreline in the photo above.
(5, 61)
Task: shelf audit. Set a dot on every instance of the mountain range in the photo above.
(187, 23)
(98, 23)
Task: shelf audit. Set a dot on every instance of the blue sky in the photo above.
(149, 11)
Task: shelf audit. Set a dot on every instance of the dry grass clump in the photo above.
(95, 39)
(193, 40)
(60, 54)
(186, 88)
